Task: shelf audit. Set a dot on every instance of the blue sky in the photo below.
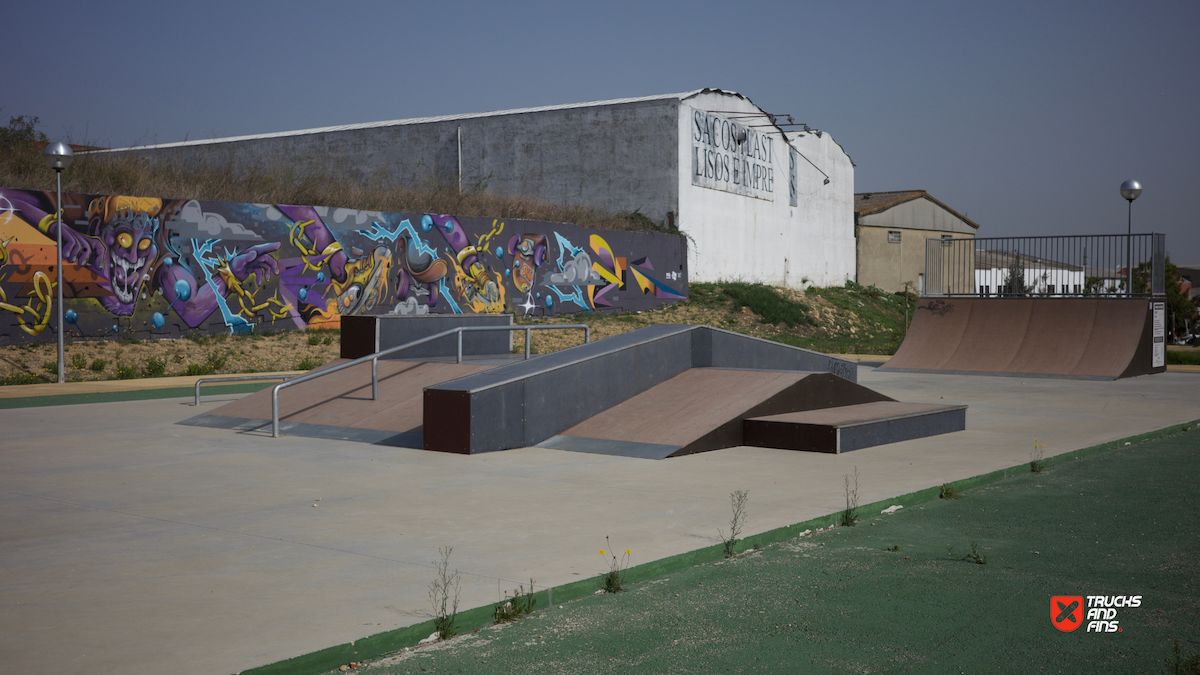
(1026, 116)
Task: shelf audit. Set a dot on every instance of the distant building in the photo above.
(760, 199)
(994, 271)
(891, 229)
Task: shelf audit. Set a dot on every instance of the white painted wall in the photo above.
(740, 237)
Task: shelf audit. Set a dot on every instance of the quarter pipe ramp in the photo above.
(1085, 338)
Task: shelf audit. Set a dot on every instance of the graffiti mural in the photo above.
(163, 268)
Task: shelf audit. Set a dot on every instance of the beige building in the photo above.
(891, 229)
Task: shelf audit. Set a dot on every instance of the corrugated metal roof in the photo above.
(427, 120)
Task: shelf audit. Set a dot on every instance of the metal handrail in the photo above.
(238, 378)
(374, 359)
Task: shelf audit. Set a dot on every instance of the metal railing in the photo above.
(238, 378)
(1108, 265)
(374, 359)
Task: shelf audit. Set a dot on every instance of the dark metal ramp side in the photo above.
(854, 427)
(703, 409)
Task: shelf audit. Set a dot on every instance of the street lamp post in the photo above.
(58, 156)
(1130, 190)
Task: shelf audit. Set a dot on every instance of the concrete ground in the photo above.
(132, 542)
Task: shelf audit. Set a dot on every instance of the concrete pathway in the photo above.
(129, 542)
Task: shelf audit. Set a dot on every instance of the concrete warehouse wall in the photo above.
(163, 268)
(786, 226)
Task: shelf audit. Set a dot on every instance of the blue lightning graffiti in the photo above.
(565, 245)
(236, 322)
(449, 298)
(380, 233)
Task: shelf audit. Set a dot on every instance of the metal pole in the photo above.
(460, 159)
(459, 357)
(527, 332)
(1128, 254)
(275, 411)
(375, 379)
(61, 370)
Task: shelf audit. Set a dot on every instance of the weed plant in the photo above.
(974, 556)
(1036, 465)
(1178, 665)
(614, 579)
(125, 372)
(98, 365)
(78, 361)
(521, 603)
(894, 549)
(737, 502)
(850, 515)
(948, 492)
(443, 594)
(308, 363)
(155, 367)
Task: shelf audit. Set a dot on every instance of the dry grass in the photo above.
(27, 364)
(216, 178)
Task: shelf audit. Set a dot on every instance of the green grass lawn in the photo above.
(1122, 522)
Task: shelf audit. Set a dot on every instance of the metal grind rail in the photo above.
(238, 378)
(374, 359)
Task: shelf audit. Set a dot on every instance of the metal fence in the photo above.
(1105, 265)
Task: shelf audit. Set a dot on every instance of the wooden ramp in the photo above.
(1084, 338)
(703, 409)
(339, 406)
(854, 427)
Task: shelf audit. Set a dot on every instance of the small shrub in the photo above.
(99, 365)
(948, 492)
(893, 549)
(50, 367)
(443, 595)
(308, 363)
(215, 360)
(195, 369)
(328, 340)
(313, 339)
(974, 556)
(614, 580)
(126, 372)
(78, 361)
(521, 603)
(155, 367)
(178, 358)
(737, 501)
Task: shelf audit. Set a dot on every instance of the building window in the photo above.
(1050, 289)
(893, 236)
(985, 291)
(1077, 289)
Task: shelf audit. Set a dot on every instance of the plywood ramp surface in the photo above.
(343, 399)
(681, 409)
(1066, 337)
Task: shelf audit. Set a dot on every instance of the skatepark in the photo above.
(133, 539)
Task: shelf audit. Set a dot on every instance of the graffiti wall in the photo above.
(164, 268)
